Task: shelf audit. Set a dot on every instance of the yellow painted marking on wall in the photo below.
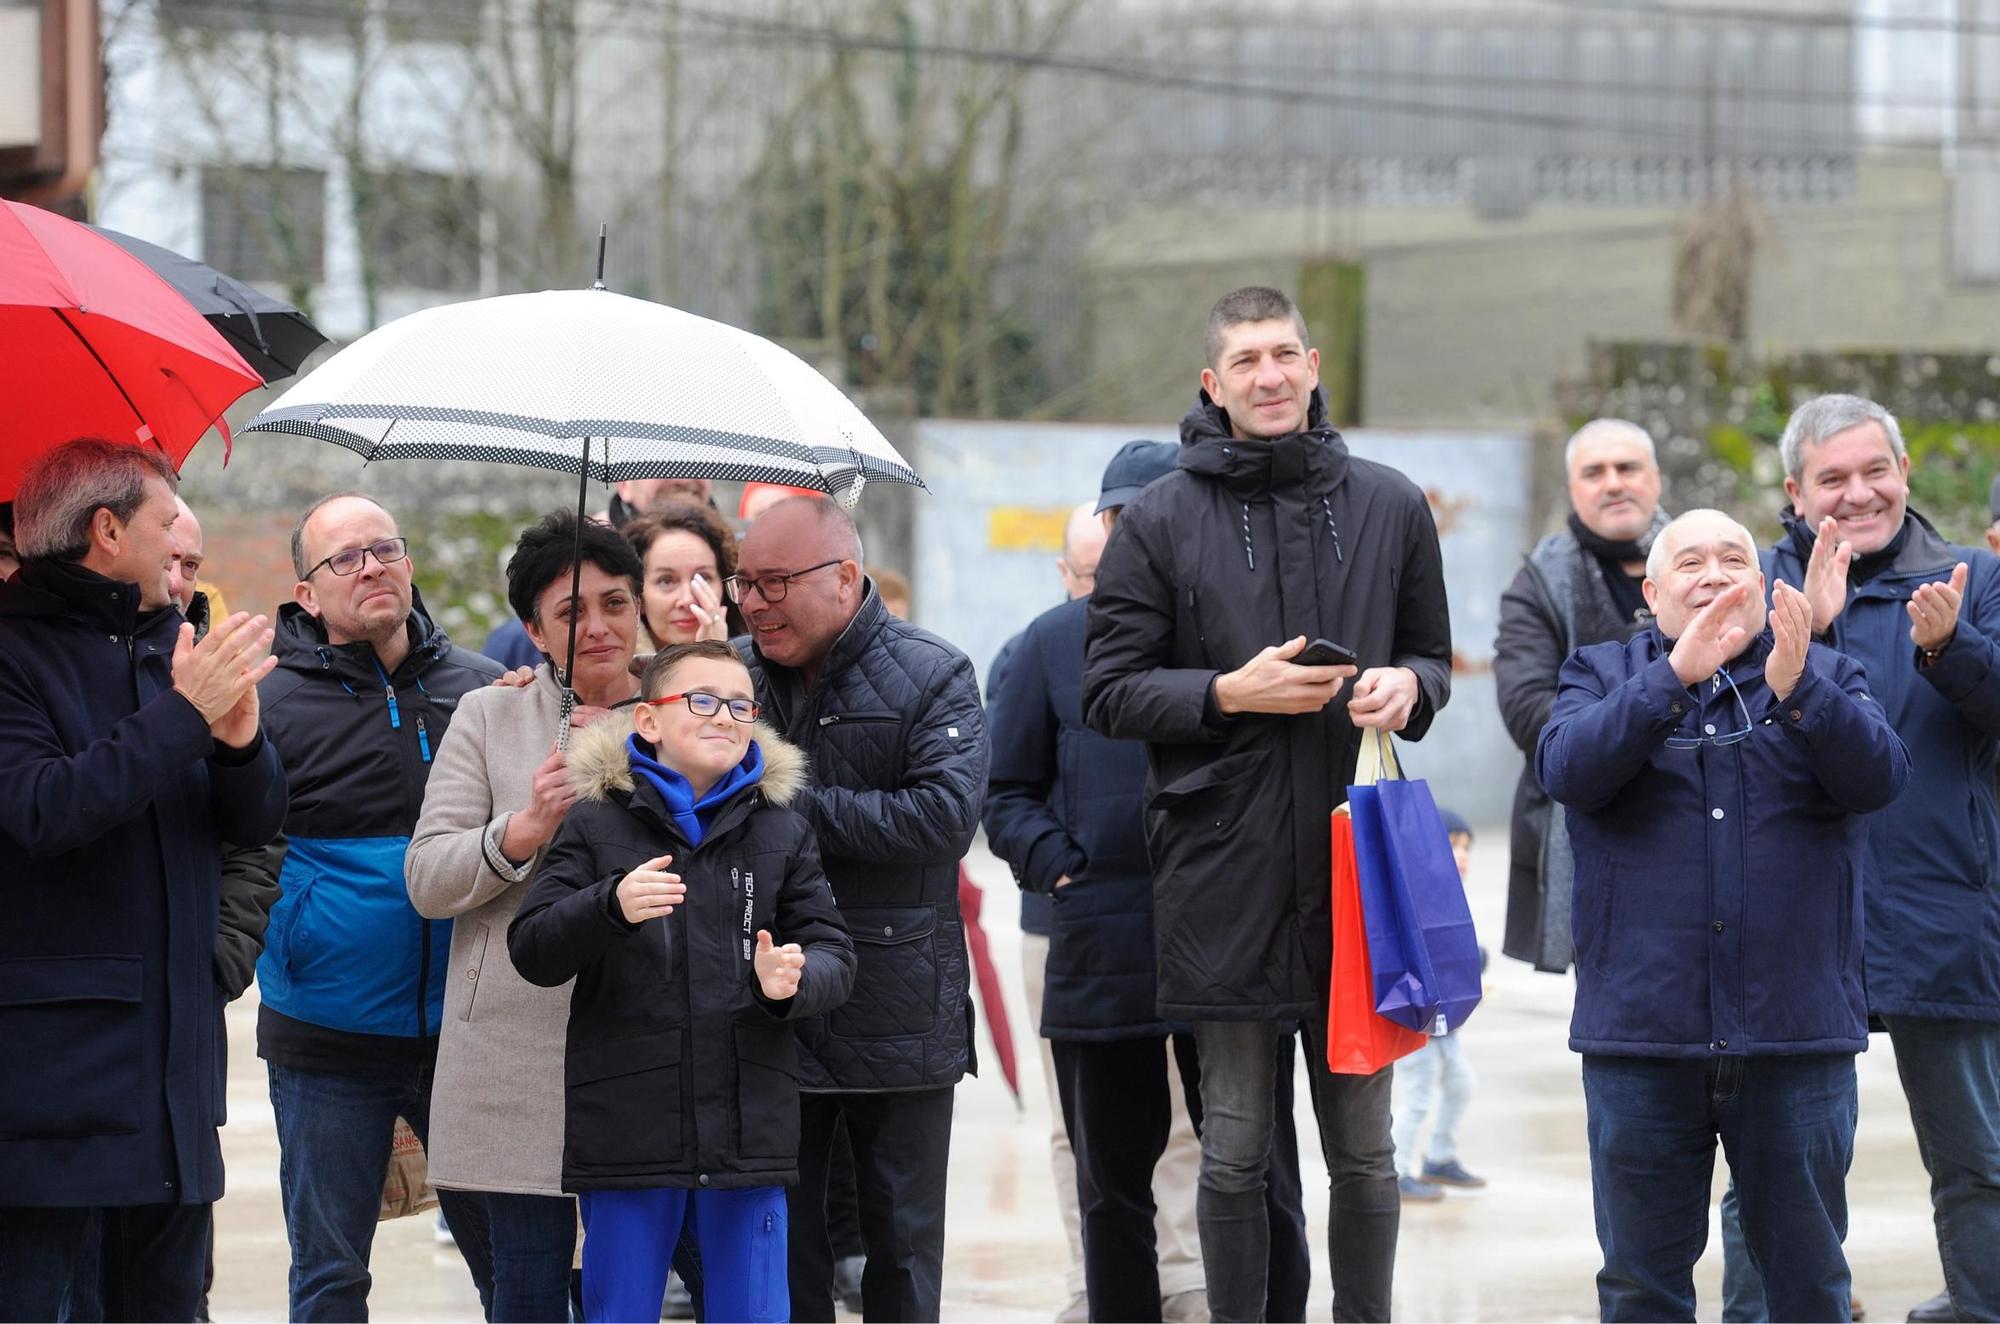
(1026, 528)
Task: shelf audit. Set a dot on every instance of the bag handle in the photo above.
(1378, 761)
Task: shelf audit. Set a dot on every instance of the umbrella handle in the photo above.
(562, 720)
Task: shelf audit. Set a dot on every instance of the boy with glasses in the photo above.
(1717, 776)
(687, 902)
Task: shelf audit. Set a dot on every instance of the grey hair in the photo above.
(1656, 558)
(1824, 416)
(829, 516)
(299, 529)
(65, 488)
(1606, 429)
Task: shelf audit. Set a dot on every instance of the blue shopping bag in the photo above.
(1421, 943)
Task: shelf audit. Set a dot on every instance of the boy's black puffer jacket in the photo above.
(678, 1071)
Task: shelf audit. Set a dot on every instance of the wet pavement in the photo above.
(1521, 1249)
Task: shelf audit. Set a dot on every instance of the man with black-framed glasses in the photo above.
(1717, 775)
(890, 717)
(352, 977)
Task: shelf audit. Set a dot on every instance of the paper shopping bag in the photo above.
(1359, 1041)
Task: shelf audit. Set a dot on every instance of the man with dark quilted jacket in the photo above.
(890, 717)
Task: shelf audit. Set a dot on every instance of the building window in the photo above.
(265, 224)
(424, 231)
(291, 18)
(455, 21)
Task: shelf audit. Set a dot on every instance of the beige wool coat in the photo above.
(497, 1100)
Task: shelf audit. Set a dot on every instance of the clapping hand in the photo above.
(1711, 638)
(778, 968)
(649, 892)
(1791, 634)
(1826, 575)
(219, 675)
(1934, 611)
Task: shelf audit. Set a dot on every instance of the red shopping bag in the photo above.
(1359, 1041)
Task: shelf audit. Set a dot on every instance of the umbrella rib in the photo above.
(125, 395)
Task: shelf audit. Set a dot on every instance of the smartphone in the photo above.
(1325, 653)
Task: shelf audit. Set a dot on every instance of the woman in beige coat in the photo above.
(493, 803)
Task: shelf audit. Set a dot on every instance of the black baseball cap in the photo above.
(1136, 464)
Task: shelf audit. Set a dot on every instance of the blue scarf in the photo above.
(692, 816)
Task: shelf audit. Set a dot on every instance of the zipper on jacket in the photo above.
(389, 694)
(423, 739)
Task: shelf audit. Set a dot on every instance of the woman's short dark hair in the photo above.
(700, 519)
(661, 669)
(546, 552)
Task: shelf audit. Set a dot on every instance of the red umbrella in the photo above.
(970, 899)
(93, 343)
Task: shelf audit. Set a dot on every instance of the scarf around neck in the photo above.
(691, 815)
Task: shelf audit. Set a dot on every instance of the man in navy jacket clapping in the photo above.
(1717, 775)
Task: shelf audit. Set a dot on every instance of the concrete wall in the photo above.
(1469, 322)
(986, 547)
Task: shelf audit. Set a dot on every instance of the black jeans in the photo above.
(1239, 1099)
(902, 1143)
(139, 1262)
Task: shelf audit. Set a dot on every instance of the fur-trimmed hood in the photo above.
(598, 765)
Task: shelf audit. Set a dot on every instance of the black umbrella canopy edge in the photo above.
(273, 337)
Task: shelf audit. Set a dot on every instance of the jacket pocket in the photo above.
(767, 1088)
(895, 992)
(288, 928)
(71, 1041)
(624, 1100)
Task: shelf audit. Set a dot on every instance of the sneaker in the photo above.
(1933, 1311)
(1451, 1173)
(1076, 1312)
(1415, 1188)
(847, 1282)
(1189, 1307)
(678, 1302)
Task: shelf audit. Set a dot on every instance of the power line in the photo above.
(783, 34)
(1785, 18)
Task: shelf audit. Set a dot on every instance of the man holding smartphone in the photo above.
(1269, 535)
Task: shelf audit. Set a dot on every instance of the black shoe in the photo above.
(847, 1282)
(1937, 1310)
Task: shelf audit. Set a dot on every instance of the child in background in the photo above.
(1440, 1063)
(689, 905)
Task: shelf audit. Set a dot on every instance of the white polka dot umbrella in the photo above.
(529, 378)
(591, 383)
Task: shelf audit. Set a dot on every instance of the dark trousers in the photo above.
(1239, 1102)
(843, 1206)
(334, 1131)
(1951, 1076)
(1117, 1108)
(902, 1143)
(1787, 1126)
(138, 1262)
(519, 1248)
